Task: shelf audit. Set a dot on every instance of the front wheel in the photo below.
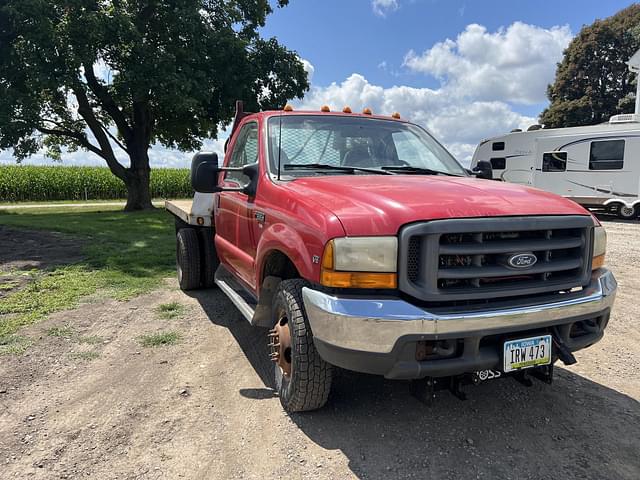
(302, 377)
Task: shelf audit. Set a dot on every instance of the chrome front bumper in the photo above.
(374, 325)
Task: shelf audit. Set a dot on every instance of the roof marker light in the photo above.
(395, 115)
(367, 111)
(346, 109)
(288, 108)
(325, 108)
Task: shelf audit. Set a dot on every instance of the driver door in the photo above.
(235, 240)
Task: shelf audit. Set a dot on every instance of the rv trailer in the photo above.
(597, 166)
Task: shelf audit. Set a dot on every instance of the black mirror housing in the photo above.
(484, 170)
(204, 172)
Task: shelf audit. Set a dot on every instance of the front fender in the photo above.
(299, 247)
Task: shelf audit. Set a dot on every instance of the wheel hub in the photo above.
(280, 345)
(626, 211)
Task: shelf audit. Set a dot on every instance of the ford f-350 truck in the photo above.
(363, 244)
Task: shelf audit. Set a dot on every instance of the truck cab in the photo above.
(363, 244)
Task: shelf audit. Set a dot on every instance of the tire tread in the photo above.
(311, 379)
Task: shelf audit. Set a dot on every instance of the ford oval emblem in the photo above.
(522, 260)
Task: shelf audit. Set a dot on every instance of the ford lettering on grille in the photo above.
(522, 260)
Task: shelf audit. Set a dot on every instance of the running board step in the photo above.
(236, 293)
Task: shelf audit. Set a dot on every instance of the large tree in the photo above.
(104, 75)
(593, 81)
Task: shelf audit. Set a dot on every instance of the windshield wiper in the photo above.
(341, 168)
(418, 170)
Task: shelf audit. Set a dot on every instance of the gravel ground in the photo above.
(90, 401)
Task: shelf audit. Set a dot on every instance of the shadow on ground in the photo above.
(574, 428)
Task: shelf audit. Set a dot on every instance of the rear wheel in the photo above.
(627, 213)
(188, 258)
(209, 257)
(302, 377)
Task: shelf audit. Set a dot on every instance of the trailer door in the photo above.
(553, 165)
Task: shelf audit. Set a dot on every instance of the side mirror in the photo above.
(204, 172)
(484, 170)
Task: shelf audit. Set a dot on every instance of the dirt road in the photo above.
(87, 400)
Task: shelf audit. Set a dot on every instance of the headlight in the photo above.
(360, 262)
(599, 247)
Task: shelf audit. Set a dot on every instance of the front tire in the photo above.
(188, 258)
(302, 377)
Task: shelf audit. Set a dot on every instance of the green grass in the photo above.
(90, 340)
(159, 339)
(89, 355)
(62, 332)
(8, 285)
(170, 311)
(19, 183)
(13, 344)
(126, 254)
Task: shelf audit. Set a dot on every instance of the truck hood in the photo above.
(381, 204)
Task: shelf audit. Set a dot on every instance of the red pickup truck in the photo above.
(363, 244)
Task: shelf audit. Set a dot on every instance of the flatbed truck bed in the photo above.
(196, 211)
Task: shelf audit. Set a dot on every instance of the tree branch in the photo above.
(116, 141)
(107, 102)
(86, 112)
(79, 137)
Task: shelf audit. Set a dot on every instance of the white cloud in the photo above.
(455, 121)
(383, 7)
(513, 64)
(308, 67)
(482, 76)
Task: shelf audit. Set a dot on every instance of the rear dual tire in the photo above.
(188, 258)
(196, 258)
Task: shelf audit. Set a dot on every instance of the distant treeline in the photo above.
(20, 183)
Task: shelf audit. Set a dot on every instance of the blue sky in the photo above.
(465, 69)
(344, 36)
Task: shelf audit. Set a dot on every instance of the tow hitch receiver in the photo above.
(425, 389)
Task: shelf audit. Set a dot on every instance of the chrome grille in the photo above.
(463, 259)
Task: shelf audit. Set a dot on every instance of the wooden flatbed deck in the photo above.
(183, 210)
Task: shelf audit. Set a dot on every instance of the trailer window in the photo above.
(606, 155)
(498, 163)
(497, 146)
(554, 162)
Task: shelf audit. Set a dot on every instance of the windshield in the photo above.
(362, 143)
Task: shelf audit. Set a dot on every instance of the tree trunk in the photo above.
(137, 181)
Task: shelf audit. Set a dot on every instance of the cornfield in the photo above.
(20, 183)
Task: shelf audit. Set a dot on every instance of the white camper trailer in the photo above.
(597, 166)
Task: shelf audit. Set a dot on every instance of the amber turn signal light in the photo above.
(597, 262)
(330, 278)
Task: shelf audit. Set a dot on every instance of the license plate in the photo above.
(527, 353)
